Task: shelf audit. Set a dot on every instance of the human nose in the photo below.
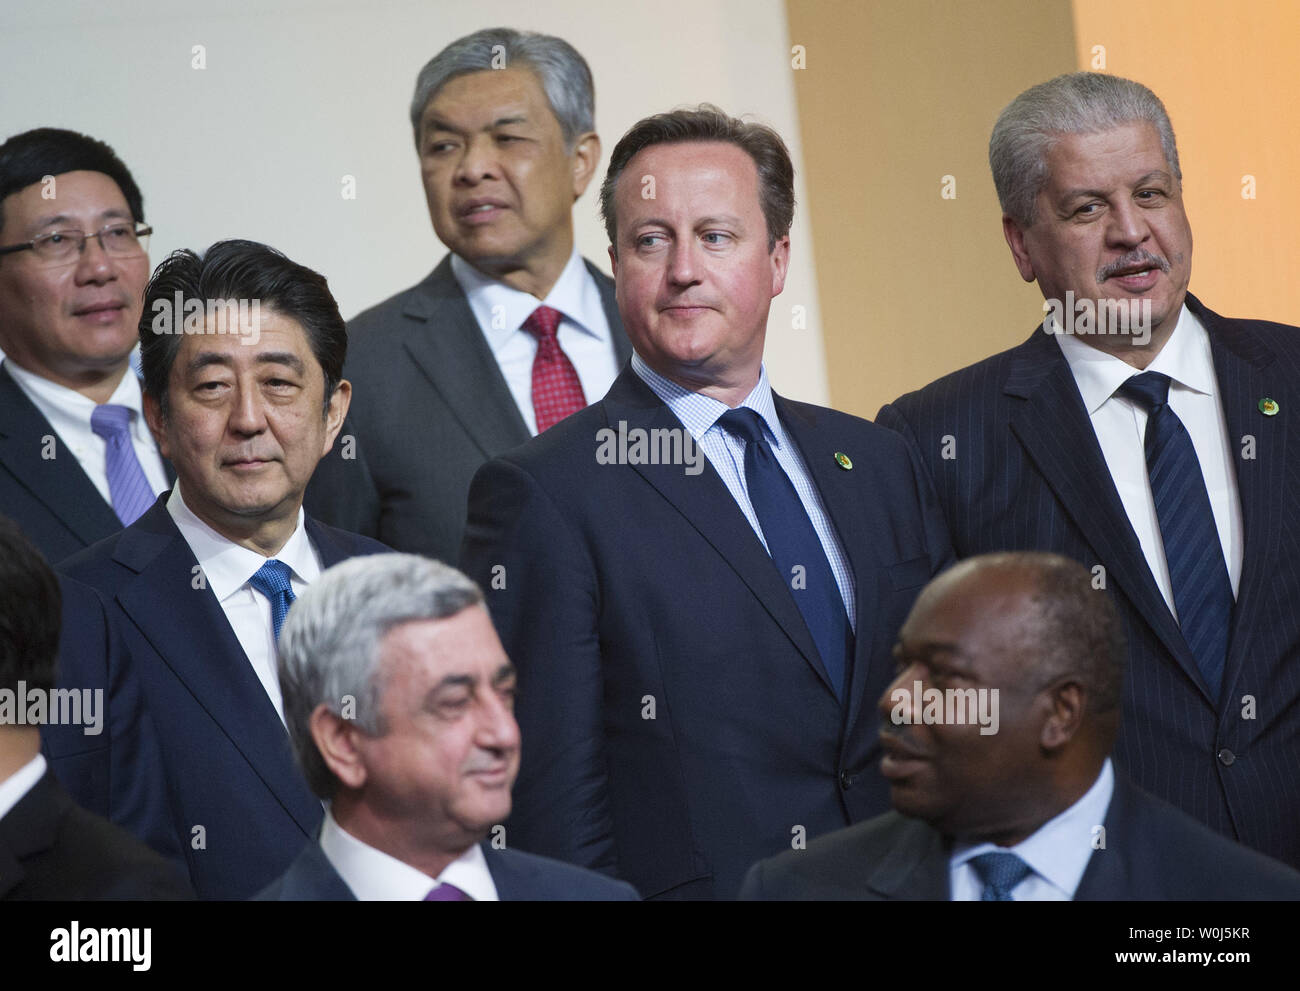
(683, 264)
(94, 264)
(498, 729)
(1128, 225)
(477, 161)
(898, 697)
(248, 413)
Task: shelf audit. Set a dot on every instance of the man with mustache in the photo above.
(76, 459)
(513, 330)
(400, 703)
(700, 635)
(197, 588)
(1035, 811)
(1146, 436)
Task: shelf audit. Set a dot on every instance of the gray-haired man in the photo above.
(513, 330)
(1146, 436)
(400, 703)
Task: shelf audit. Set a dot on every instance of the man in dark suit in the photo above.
(242, 353)
(698, 579)
(1025, 805)
(513, 330)
(1156, 453)
(76, 458)
(49, 848)
(399, 701)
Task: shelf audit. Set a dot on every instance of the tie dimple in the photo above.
(128, 487)
(272, 580)
(447, 893)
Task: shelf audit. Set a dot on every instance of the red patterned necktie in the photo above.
(557, 391)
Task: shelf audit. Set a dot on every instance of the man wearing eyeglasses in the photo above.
(77, 462)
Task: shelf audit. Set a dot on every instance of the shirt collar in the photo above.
(23, 780)
(376, 876)
(228, 566)
(73, 402)
(1185, 358)
(574, 294)
(699, 413)
(1058, 851)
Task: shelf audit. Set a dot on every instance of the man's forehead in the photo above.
(38, 203)
(1127, 152)
(487, 98)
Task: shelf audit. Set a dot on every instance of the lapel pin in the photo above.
(1267, 406)
(845, 462)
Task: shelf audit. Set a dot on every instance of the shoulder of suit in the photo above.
(354, 544)
(563, 881)
(979, 379)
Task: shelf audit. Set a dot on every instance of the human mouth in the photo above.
(901, 759)
(481, 211)
(1134, 274)
(105, 312)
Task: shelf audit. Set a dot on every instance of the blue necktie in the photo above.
(272, 580)
(793, 541)
(1202, 589)
(1000, 872)
(130, 489)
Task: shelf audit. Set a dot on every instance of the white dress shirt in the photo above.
(726, 452)
(69, 414)
(18, 784)
(583, 333)
(374, 876)
(1120, 425)
(227, 567)
(1057, 852)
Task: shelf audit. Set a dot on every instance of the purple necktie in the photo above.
(447, 893)
(131, 491)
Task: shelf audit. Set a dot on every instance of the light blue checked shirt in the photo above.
(726, 452)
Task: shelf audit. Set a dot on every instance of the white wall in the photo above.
(296, 95)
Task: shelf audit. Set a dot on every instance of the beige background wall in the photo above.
(299, 93)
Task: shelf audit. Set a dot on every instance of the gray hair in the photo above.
(330, 644)
(1076, 103)
(564, 74)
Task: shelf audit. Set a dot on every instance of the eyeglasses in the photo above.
(63, 247)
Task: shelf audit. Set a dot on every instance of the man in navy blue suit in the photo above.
(1025, 806)
(1146, 436)
(400, 704)
(698, 580)
(242, 352)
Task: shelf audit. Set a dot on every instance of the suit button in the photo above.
(1226, 757)
(846, 779)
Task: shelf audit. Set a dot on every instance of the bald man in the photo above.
(997, 732)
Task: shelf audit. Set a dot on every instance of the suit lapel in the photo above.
(188, 629)
(912, 866)
(622, 346)
(1109, 872)
(843, 503)
(30, 827)
(58, 482)
(1053, 427)
(1242, 368)
(448, 346)
(706, 504)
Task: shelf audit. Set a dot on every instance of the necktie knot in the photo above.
(446, 893)
(1000, 872)
(543, 323)
(745, 423)
(1150, 390)
(272, 580)
(110, 421)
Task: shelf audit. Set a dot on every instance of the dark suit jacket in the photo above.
(51, 850)
(1028, 474)
(53, 501)
(227, 759)
(429, 405)
(519, 877)
(630, 587)
(1153, 852)
(117, 772)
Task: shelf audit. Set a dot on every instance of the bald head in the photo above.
(1029, 636)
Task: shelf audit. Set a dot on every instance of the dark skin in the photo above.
(976, 627)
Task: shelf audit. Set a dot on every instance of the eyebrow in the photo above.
(205, 359)
(112, 213)
(432, 124)
(1073, 194)
(722, 219)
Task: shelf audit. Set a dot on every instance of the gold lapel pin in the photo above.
(845, 462)
(1267, 406)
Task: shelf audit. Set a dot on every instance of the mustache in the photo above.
(902, 742)
(1132, 260)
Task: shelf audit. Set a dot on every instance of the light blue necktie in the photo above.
(272, 580)
(1000, 872)
(130, 489)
